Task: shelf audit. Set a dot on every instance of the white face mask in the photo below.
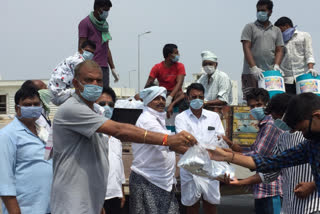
(209, 69)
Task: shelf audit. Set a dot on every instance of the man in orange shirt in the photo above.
(170, 74)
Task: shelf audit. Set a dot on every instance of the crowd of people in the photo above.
(73, 164)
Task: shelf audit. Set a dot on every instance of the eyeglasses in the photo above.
(104, 103)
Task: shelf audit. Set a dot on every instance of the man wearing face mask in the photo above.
(60, 83)
(80, 149)
(267, 196)
(96, 28)
(152, 178)
(170, 74)
(262, 47)
(303, 114)
(216, 83)
(204, 125)
(299, 189)
(115, 197)
(298, 54)
(25, 181)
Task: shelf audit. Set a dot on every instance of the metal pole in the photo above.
(139, 35)
(139, 63)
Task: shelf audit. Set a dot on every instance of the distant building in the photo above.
(8, 88)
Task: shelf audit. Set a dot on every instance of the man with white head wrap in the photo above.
(217, 84)
(153, 167)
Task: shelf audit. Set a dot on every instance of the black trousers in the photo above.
(291, 88)
(112, 206)
(105, 77)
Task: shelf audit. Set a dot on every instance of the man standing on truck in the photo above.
(262, 47)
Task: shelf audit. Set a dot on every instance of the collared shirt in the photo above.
(89, 31)
(116, 175)
(23, 171)
(80, 159)
(292, 177)
(263, 44)
(205, 129)
(298, 54)
(155, 163)
(219, 87)
(60, 83)
(266, 139)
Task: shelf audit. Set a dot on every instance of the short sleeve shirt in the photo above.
(87, 30)
(167, 77)
(263, 44)
(80, 159)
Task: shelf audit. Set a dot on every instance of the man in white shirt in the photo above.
(115, 198)
(203, 125)
(153, 167)
(216, 83)
(60, 83)
(298, 54)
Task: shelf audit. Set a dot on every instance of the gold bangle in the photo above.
(145, 135)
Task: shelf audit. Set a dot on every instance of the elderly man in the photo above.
(298, 54)
(205, 126)
(151, 191)
(80, 152)
(262, 47)
(60, 83)
(217, 84)
(25, 181)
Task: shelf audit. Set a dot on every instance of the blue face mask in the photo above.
(30, 111)
(196, 104)
(281, 125)
(287, 35)
(104, 15)
(108, 111)
(91, 92)
(262, 16)
(258, 113)
(176, 58)
(87, 55)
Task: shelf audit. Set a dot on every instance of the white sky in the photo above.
(38, 34)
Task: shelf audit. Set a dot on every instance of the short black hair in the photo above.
(269, 4)
(26, 91)
(196, 86)
(283, 21)
(28, 83)
(278, 104)
(301, 108)
(89, 43)
(258, 94)
(110, 91)
(101, 3)
(168, 49)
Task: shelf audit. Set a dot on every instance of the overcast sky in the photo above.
(37, 34)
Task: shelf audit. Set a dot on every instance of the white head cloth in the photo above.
(148, 94)
(208, 55)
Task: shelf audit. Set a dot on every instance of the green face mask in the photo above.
(45, 97)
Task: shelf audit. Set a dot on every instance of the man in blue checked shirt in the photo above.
(303, 114)
(25, 181)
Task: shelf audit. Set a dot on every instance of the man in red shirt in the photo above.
(170, 74)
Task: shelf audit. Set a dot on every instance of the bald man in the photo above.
(80, 153)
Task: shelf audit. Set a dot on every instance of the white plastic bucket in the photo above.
(273, 82)
(308, 83)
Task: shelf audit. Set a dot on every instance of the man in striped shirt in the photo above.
(302, 114)
(267, 195)
(299, 195)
